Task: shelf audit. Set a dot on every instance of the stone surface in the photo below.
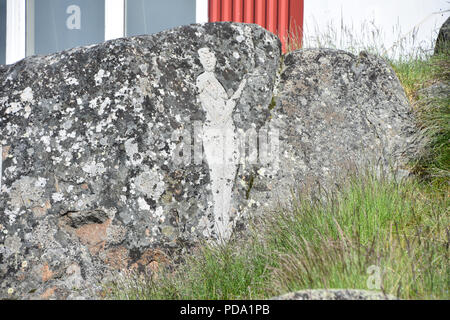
(436, 91)
(443, 39)
(335, 112)
(96, 175)
(335, 294)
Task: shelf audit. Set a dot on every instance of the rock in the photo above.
(443, 39)
(436, 91)
(335, 294)
(97, 170)
(335, 112)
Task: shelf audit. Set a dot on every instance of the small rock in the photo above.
(335, 294)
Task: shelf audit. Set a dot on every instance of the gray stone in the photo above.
(335, 294)
(94, 177)
(436, 91)
(336, 113)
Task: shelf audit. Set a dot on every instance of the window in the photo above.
(48, 26)
(151, 16)
(2, 31)
(56, 25)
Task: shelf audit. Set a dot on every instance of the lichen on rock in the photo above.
(92, 135)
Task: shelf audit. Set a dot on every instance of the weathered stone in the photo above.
(335, 294)
(443, 39)
(436, 91)
(335, 112)
(93, 169)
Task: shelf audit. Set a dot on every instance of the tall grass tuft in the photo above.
(432, 111)
(368, 36)
(374, 223)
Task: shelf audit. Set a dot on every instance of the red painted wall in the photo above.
(282, 17)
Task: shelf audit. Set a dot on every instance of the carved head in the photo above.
(207, 58)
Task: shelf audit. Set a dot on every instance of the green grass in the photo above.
(433, 114)
(374, 222)
(397, 228)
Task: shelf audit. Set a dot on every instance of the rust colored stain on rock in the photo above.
(154, 266)
(41, 211)
(48, 293)
(93, 235)
(47, 273)
(5, 152)
(150, 260)
(117, 258)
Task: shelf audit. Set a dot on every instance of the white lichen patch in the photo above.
(100, 75)
(159, 214)
(94, 168)
(41, 182)
(103, 105)
(240, 38)
(27, 95)
(57, 197)
(26, 192)
(132, 151)
(143, 205)
(12, 215)
(150, 183)
(93, 103)
(72, 81)
(27, 112)
(13, 108)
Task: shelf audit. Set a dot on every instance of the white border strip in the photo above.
(201, 11)
(114, 19)
(15, 30)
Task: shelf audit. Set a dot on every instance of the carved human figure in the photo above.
(219, 140)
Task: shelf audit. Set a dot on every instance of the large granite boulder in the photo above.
(98, 172)
(336, 113)
(117, 156)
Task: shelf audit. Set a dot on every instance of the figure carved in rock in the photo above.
(219, 140)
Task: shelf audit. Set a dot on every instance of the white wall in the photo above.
(15, 30)
(392, 26)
